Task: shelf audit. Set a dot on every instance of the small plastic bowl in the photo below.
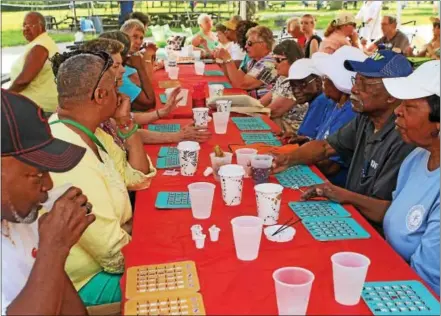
(284, 236)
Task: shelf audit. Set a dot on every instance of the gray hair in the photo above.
(132, 24)
(40, 17)
(77, 76)
(202, 17)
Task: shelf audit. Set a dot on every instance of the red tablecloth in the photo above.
(188, 79)
(230, 286)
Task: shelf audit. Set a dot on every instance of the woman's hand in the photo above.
(325, 190)
(192, 133)
(281, 162)
(172, 102)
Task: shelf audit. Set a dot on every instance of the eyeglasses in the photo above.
(250, 43)
(280, 59)
(301, 83)
(361, 84)
(108, 62)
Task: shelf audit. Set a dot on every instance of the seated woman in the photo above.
(294, 29)
(432, 49)
(205, 39)
(260, 73)
(137, 80)
(31, 74)
(338, 32)
(285, 111)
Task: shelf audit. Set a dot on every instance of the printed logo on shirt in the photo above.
(414, 217)
(374, 164)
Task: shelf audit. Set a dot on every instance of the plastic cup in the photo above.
(231, 177)
(349, 273)
(223, 105)
(188, 157)
(216, 90)
(247, 233)
(173, 73)
(200, 116)
(199, 68)
(269, 198)
(220, 120)
(197, 55)
(217, 162)
(261, 168)
(54, 195)
(293, 289)
(201, 198)
(244, 156)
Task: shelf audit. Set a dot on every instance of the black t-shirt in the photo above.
(308, 45)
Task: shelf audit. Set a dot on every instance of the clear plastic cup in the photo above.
(199, 68)
(220, 120)
(231, 177)
(223, 105)
(293, 289)
(173, 73)
(244, 156)
(247, 233)
(201, 198)
(269, 198)
(261, 168)
(216, 90)
(200, 116)
(188, 157)
(349, 273)
(197, 55)
(217, 162)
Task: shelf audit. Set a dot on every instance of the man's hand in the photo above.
(281, 162)
(62, 227)
(194, 134)
(172, 102)
(223, 54)
(326, 190)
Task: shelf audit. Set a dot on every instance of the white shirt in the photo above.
(236, 52)
(17, 260)
(371, 10)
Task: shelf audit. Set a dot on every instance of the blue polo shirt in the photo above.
(315, 116)
(128, 87)
(412, 222)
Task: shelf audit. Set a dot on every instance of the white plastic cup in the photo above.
(223, 105)
(201, 198)
(244, 156)
(214, 233)
(173, 73)
(261, 168)
(199, 68)
(188, 157)
(231, 177)
(269, 198)
(200, 116)
(218, 162)
(349, 272)
(54, 195)
(247, 233)
(220, 120)
(197, 55)
(200, 241)
(293, 289)
(216, 90)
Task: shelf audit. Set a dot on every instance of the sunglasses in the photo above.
(280, 59)
(250, 43)
(108, 62)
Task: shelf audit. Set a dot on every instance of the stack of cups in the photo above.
(200, 116)
(293, 289)
(218, 162)
(269, 198)
(231, 177)
(220, 120)
(199, 68)
(247, 233)
(188, 157)
(223, 105)
(244, 156)
(201, 199)
(216, 90)
(349, 273)
(261, 168)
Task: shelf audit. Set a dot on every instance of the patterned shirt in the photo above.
(263, 70)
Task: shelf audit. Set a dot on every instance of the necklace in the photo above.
(6, 231)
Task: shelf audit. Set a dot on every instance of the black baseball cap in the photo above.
(26, 136)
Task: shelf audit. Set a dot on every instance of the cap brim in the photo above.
(57, 156)
(229, 25)
(405, 89)
(361, 68)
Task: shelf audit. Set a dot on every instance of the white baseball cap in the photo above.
(423, 82)
(301, 69)
(333, 67)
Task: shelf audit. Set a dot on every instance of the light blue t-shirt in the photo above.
(412, 222)
(315, 116)
(128, 87)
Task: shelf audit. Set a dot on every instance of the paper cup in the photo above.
(199, 68)
(188, 157)
(349, 272)
(261, 168)
(217, 162)
(293, 289)
(220, 120)
(247, 233)
(54, 195)
(216, 90)
(201, 198)
(173, 73)
(244, 156)
(200, 116)
(231, 177)
(269, 198)
(223, 105)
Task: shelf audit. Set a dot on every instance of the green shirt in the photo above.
(212, 44)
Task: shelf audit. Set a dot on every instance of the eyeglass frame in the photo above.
(372, 83)
(250, 43)
(303, 85)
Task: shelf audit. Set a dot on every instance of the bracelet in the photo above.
(125, 136)
(157, 113)
(228, 61)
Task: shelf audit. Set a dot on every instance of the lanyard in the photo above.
(84, 129)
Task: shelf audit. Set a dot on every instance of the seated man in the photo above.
(369, 144)
(34, 252)
(260, 73)
(393, 38)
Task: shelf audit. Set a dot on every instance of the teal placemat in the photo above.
(163, 98)
(250, 124)
(334, 228)
(168, 162)
(226, 85)
(173, 200)
(168, 151)
(165, 128)
(214, 73)
(266, 138)
(399, 298)
(298, 176)
(318, 209)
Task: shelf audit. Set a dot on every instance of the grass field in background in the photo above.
(11, 34)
